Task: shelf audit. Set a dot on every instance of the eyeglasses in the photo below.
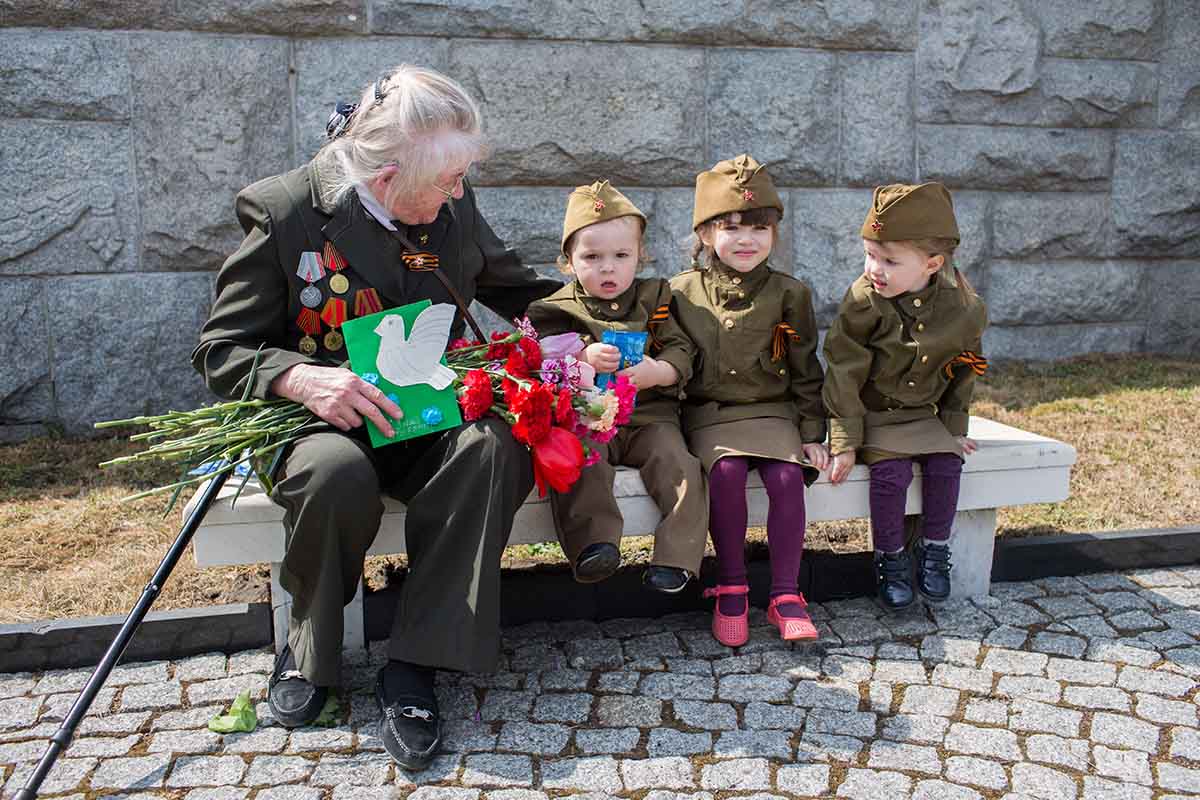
(449, 193)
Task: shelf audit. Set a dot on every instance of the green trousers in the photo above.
(588, 513)
(461, 487)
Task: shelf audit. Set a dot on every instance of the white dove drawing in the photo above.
(416, 359)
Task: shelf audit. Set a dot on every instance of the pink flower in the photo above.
(626, 394)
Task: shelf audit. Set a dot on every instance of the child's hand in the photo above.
(817, 455)
(649, 373)
(842, 463)
(602, 357)
(968, 445)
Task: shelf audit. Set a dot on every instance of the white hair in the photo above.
(424, 123)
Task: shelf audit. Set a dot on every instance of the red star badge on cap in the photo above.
(598, 206)
(747, 195)
(877, 226)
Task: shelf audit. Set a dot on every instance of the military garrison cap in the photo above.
(903, 212)
(599, 202)
(740, 184)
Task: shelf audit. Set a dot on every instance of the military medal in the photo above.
(335, 263)
(334, 314)
(311, 271)
(366, 301)
(423, 238)
(309, 321)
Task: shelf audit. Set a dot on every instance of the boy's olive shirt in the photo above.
(733, 318)
(258, 289)
(644, 306)
(889, 356)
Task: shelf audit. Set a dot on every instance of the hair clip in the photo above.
(379, 91)
(339, 119)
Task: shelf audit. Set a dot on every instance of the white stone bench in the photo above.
(1012, 467)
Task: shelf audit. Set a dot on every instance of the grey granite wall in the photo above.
(1069, 131)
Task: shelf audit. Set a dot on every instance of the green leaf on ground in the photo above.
(328, 717)
(240, 717)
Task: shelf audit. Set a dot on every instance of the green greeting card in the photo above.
(403, 352)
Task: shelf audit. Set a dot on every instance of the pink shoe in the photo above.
(729, 631)
(796, 627)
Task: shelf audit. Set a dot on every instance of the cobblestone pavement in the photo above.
(1058, 688)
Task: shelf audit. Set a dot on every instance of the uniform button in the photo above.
(783, 372)
(912, 383)
(728, 323)
(614, 306)
(920, 326)
(917, 302)
(741, 294)
(737, 281)
(733, 372)
(924, 359)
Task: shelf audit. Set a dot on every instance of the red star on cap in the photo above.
(747, 195)
(598, 206)
(877, 226)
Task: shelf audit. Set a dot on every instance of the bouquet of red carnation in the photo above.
(541, 388)
(546, 393)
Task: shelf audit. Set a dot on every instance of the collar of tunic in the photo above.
(608, 310)
(727, 285)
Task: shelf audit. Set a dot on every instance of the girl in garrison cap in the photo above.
(902, 358)
(602, 246)
(754, 401)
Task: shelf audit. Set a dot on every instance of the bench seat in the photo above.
(1011, 467)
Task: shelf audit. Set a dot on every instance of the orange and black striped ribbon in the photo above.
(420, 262)
(333, 259)
(366, 301)
(660, 315)
(779, 340)
(309, 321)
(976, 362)
(334, 313)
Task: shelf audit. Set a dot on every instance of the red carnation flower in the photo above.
(533, 410)
(564, 412)
(477, 396)
(531, 351)
(497, 350)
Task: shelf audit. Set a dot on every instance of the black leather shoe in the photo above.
(411, 730)
(292, 698)
(893, 579)
(597, 562)
(933, 570)
(668, 580)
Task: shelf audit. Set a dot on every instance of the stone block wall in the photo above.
(1068, 130)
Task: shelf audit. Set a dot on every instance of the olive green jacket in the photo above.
(892, 354)
(571, 309)
(258, 291)
(734, 320)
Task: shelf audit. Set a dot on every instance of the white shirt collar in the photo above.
(373, 206)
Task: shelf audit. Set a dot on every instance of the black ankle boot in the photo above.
(893, 578)
(933, 570)
(596, 562)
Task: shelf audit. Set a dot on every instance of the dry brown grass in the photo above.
(69, 547)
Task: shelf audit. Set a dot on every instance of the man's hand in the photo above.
(602, 357)
(338, 396)
(817, 455)
(649, 373)
(968, 445)
(842, 464)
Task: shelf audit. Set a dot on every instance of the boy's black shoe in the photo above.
(893, 578)
(597, 562)
(292, 698)
(933, 570)
(668, 580)
(410, 729)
